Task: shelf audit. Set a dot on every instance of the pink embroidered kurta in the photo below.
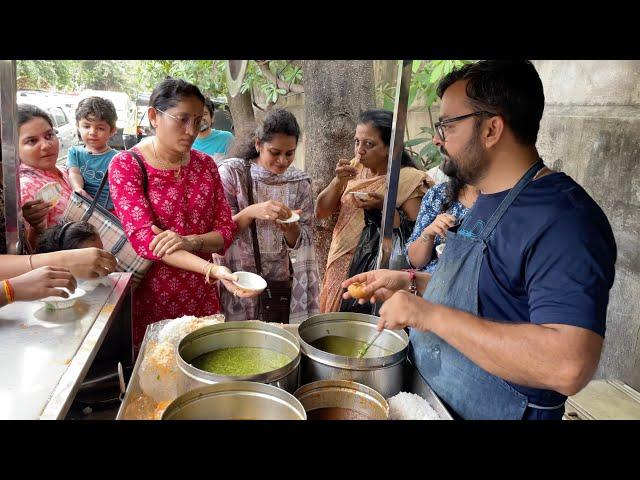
(33, 179)
(192, 204)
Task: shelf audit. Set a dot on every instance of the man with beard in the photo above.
(443, 207)
(513, 319)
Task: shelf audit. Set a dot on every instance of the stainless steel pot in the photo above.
(383, 373)
(250, 333)
(343, 394)
(235, 401)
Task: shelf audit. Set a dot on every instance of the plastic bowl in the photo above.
(59, 303)
(250, 281)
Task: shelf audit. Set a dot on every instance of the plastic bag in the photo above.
(366, 255)
(159, 374)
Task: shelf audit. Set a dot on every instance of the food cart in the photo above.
(50, 352)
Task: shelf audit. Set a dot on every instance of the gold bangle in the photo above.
(204, 267)
(30, 264)
(206, 278)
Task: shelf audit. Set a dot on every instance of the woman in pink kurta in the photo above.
(188, 202)
(38, 149)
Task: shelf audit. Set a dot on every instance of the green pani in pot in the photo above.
(240, 361)
(347, 347)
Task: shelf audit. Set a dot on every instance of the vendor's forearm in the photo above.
(539, 356)
(329, 198)
(422, 280)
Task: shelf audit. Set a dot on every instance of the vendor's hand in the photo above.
(43, 282)
(345, 171)
(270, 210)
(440, 225)
(89, 262)
(167, 241)
(403, 310)
(380, 284)
(35, 212)
(375, 201)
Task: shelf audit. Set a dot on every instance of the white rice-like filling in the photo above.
(409, 406)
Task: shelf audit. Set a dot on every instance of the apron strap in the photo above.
(508, 200)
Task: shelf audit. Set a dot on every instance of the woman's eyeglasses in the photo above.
(185, 122)
(439, 126)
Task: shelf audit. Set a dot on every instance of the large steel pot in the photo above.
(250, 333)
(343, 394)
(383, 374)
(235, 401)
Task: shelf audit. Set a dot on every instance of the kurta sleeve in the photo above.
(131, 205)
(223, 222)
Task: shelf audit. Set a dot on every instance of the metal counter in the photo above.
(413, 383)
(45, 355)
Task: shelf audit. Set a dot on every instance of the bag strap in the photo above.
(145, 180)
(254, 232)
(94, 202)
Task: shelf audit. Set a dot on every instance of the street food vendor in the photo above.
(512, 320)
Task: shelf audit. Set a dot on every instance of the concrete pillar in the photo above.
(591, 131)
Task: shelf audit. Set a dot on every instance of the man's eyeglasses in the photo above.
(185, 122)
(439, 126)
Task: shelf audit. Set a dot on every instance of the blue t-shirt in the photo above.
(216, 142)
(429, 210)
(93, 168)
(550, 259)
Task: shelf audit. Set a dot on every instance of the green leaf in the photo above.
(436, 74)
(388, 103)
(415, 141)
(412, 96)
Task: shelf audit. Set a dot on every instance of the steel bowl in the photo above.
(382, 373)
(343, 394)
(236, 401)
(249, 333)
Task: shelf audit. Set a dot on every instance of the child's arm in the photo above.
(75, 176)
(77, 182)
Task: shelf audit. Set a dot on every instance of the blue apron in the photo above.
(470, 391)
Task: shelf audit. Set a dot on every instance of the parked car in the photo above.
(126, 124)
(67, 132)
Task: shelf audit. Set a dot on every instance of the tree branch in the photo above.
(264, 68)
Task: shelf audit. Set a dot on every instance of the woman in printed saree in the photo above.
(364, 174)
